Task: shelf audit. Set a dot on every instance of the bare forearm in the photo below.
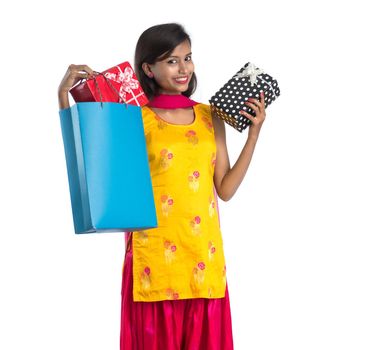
(233, 178)
(63, 99)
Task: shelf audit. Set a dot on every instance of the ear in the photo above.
(147, 69)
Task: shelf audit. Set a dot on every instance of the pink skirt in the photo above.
(184, 324)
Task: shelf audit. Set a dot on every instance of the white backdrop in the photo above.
(296, 234)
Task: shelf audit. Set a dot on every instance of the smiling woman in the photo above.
(174, 287)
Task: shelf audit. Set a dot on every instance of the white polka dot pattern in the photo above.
(227, 102)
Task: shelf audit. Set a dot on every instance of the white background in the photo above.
(297, 232)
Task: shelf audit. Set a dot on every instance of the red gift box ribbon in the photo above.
(126, 81)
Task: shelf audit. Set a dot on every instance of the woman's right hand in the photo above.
(74, 73)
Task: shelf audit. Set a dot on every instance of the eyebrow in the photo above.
(178, 56)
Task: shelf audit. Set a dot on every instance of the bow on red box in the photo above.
(123, 87)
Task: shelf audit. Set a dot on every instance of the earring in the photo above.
(150, 75)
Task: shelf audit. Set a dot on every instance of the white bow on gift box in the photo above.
(251, 72)
(125, 78)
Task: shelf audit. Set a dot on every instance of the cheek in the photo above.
(161, 72)
(170, 73)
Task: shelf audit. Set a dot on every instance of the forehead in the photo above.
(182, 49)
(183, 46)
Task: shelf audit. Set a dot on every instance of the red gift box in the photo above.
(122, 82)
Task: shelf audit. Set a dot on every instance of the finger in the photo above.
(247, 115)
(81, 67)
(254, 107)
(81, 75)
(262, 98)
(254, 101)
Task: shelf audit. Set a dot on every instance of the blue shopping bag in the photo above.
(107, 165)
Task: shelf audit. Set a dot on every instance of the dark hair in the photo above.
(157, 43)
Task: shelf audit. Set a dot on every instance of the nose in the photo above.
(182, 67)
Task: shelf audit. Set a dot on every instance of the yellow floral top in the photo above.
(183, 257)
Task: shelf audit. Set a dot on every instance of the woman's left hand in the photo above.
(259, 108)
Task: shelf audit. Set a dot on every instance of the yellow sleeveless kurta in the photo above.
(183, 257)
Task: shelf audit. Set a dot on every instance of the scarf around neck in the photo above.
(168, 101)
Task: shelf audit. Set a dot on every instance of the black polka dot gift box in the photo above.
(230, 99)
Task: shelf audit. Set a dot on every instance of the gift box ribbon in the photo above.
(251, 72)
(128, 83)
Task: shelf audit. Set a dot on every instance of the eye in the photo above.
(188, 58)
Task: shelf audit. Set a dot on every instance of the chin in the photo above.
(183, 88)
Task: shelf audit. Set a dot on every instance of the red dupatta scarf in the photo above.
(167, 101)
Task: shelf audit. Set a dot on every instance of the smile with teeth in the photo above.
(181, 80)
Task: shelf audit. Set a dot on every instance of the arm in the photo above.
(227, 179)
(63, 99)
(73, 74)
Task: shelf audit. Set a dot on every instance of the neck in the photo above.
(169, 94)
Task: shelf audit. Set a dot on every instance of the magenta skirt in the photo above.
(184, 324)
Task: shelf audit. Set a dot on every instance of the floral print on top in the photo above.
(183, 257)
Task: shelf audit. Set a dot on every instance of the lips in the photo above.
(181, 80)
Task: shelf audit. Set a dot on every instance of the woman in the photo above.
(174, 287)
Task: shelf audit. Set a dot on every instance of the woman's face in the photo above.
(170, 72)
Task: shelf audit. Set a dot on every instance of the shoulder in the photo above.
(148, 118)
(146, 110)
(203, 108)
(218, 124)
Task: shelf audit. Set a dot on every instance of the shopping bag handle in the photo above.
(109, 83)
